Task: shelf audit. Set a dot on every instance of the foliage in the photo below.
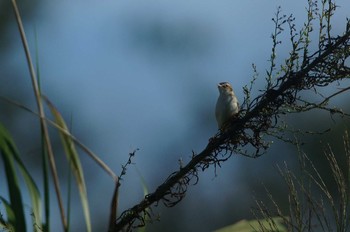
(313, 204)
(268, 224)
(15, 208)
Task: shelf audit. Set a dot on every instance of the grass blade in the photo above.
(45, 132)
(32, 187)
(44, 155)
(10, 215)
(92, 155)
(114, 208)
(15, 208)
(73, 157)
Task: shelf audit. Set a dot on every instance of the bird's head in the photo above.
(224, 88)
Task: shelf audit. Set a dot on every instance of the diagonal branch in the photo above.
(258, 120)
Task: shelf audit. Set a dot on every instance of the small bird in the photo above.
(227, 104)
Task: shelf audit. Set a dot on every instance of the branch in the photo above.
(260, 116)
(247, 129)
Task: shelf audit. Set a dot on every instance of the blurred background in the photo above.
(143, 74)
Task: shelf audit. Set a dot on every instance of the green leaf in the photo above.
(10, 215)
(270, 224)
(73, 157)
(15, 207)
(9, 155)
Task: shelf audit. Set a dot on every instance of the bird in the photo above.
(227, 105)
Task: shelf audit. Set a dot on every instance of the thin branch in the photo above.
(334, 94)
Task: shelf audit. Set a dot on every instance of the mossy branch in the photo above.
(257, 117)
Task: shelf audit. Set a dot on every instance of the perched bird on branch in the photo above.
(227, 104)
